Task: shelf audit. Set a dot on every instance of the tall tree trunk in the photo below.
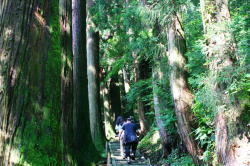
(158, 107)
(181, 95)
(122, 89)
(109, 117)
(140, 105)
(115, 96)
(126, 80)
(231, 138)
(30, 99)
(83, 145)
(93, 80)
(66, 81)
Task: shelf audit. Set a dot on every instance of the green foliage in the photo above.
(204, 133)
(147, 140)
(150, 145)
(169, 119)
(175, 159)
(139, 90)
(142, 29)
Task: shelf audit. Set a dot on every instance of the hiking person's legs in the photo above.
(127, 149)
(134, 147)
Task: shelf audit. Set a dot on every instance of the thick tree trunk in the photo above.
(231, 138)
(66, 82)
(83, 145)
(30, 100)
(93, 81)
(181, 95)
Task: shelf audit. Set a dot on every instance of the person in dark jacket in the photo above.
(130, 138)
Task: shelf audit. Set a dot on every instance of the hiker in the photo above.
(118, 127)
(130, 138)
(118, 124)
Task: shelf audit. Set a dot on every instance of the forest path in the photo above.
(117, 160)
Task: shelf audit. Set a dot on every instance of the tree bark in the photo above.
(109, 116)
(93, 80)
(115, 97)
(181, 94)
(83, 145)
(231, 138)
(140, 105)
(29, 98)
(66, 81)
(126, 80)
(158, 107)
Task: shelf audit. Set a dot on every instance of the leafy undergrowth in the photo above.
(150, 147)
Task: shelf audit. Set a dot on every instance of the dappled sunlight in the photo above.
(92, 69)
(40, 19)
(155, 137)
(7, 34)
(13, 154)
(106, 105)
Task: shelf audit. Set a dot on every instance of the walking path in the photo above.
(116, 160)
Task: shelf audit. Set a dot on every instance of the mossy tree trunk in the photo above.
(30, 82)
(231, 137)
(181, 94)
